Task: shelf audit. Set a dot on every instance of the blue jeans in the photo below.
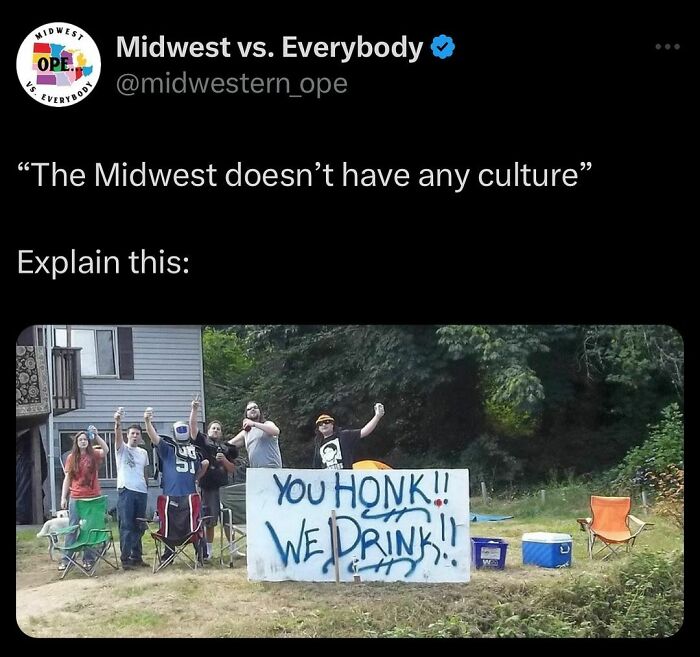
(74, 519)
(131, 505)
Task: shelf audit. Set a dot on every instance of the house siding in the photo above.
(167, 373)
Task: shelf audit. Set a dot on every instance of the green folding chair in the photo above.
(232, 520)
(93, 535)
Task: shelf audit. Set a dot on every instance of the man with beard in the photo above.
(260, 437)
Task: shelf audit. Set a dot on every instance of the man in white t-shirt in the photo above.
(132, 484)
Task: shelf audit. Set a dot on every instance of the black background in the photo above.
(549, 89)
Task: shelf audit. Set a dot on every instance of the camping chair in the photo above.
(93, 535)
(180, 523)
(233, 522)
(611, 525)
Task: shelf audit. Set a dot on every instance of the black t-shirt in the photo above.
(337, 452)
(216, 475)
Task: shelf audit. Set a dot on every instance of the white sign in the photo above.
(392, 525)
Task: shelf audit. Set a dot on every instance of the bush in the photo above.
(642, 599)
(661, 450)
(669, 489)
(488, 460)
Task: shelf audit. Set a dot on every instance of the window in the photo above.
(108, 470)
(98, 353)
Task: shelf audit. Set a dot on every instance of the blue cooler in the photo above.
(489, 552)
(547, 550)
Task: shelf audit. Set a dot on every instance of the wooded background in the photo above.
(516, 404)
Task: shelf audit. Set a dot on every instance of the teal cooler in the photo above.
(547, 550)
(489, 552)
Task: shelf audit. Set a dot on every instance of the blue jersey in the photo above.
(178, 465)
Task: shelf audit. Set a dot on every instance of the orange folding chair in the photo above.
(612, 524)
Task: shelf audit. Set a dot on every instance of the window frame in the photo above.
(94, 329)
(110, 462)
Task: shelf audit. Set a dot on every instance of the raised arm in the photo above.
(102, 444)
(238, 440)
(372, 424)
(150, 430)
(118, 437)
(194, 413)
(268, 427)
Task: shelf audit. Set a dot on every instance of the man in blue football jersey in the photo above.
(180, 462)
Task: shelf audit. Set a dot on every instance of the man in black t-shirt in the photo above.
(221, 456)
(336, 449)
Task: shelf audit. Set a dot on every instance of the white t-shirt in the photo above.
(130, 464)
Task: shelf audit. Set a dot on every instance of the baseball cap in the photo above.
(324, 418)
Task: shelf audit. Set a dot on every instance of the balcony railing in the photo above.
(32, 381)
(66, 379)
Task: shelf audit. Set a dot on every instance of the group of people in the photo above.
(190, 462)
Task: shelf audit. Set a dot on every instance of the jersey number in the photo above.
(185, 465)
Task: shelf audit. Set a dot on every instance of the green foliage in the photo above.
(507, 419)
(530, 625)
(662, 449)
(641, 597)
(633, 355)
(226, 364)
(669, 489)
(303, 371)
(502, 353)
(561, 393)
(443, 628)
(490, 462)
(224, 356)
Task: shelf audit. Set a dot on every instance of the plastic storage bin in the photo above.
(489, 552)
(547, 550)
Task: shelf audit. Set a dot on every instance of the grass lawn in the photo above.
(592, 598)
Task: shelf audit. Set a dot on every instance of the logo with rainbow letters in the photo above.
(58, 64)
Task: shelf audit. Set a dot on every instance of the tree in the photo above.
(305, 370)
(660, 454)
(226, 365)
(634, 355)
(580, 395)
(512, 390)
